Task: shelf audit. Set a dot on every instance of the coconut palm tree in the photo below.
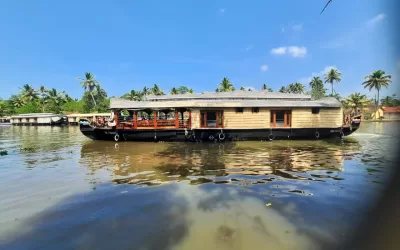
(317, 88)
(356, 100)
(377, 80)
(43, 94)
(333, 75)
(133, 95)
(296, 88)
(173, 91)
(89, 83)
(155, 90)
(28, 93)
(265, 87)
(283, 89)
(226, 86)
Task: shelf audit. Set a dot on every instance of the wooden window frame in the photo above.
(255, 110)
(315, 110)
(287, 123)
(239, 110)
(204, 112)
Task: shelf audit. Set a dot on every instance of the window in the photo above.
(239, 110)
(255, 110)
(315, 110)
(211, 119)
(281, 118)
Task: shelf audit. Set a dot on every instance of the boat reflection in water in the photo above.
(251, 162)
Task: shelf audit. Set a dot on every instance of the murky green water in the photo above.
(60, 190)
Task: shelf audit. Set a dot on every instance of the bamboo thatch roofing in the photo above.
(224, 103)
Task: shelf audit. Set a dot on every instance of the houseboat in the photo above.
(36, 119)
(222, 116)
(5, 121)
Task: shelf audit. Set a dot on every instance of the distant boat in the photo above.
(37, 119)
(5, 121)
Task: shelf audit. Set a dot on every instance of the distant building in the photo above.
(391, 112)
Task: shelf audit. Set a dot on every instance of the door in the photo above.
(281, 118)
(211, 119)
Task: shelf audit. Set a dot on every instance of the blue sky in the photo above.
(130, 44)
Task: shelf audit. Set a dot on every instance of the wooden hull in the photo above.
(212, 135)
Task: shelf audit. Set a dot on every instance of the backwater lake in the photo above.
(61, 190)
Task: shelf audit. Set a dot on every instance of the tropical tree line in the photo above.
(94, 99)
(31, 100)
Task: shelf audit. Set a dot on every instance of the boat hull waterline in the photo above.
(212, 135)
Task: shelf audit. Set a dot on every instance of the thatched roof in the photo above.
(224, 103)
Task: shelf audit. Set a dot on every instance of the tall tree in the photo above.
(174, 91)
(89, 83)
(155, 90)
(266, 88)
(317, 88)
(225, 86)
(43, 96)
(356, 100)
(377, 80)
(333, 75)
(283, 89)
(28, 93)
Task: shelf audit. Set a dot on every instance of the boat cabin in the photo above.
(228, 110)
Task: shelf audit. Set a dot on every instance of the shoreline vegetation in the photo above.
(95, 99)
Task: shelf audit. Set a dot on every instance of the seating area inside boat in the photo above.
(153, 118)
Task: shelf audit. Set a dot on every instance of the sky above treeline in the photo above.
(131, 44)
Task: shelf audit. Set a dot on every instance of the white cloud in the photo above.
(376, 19)
(279, 51)
(283, 29)
(294, 51)
(222, 11)
(297, 51)
(351, 38)
(264, 68)
(297, 27)
(307, 80)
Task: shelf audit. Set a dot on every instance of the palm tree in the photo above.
(283, 89)
(226, 86)
(317, 88)
(133, 95)
(89, 83)
(28, 93)
(17, 101)
(173, 91)
(43, 93)
(377, 80)
(356, 100)
(265, 87)
(333, 75)
(155, 90)
(191, 91)
(296, 88)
